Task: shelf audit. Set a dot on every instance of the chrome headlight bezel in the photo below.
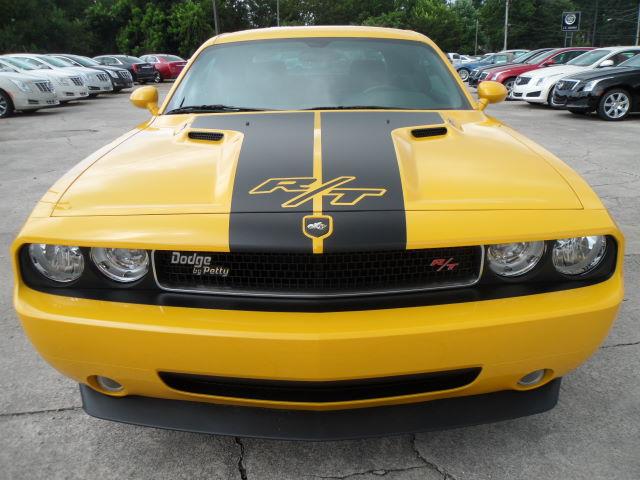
(512, 260)
(70, 262)
(123, 265)
(584, 262)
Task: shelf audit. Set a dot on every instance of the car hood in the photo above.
(557, 70)
(605, 73)
(333, 161)
(22, 77)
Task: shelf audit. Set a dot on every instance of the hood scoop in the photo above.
(426, 132)
(205, 136)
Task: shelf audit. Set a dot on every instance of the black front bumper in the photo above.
(320, 425)
(145, 76)
(575, 100)
(121, 83)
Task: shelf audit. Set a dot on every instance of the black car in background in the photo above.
(614, 93)
(119, 76)
(141, 71)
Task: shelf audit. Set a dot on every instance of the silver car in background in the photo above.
(24, 92)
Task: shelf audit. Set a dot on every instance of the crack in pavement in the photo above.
(630, 344)
(36, 412)
(445, 475)
(381, 472)
(241, 468)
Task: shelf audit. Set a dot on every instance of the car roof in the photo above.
(323, 31)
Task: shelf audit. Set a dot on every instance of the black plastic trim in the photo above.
(309, 391)
(321, 425)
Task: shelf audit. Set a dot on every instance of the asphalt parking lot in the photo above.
(593, 433)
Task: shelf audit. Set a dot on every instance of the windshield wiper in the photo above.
(357, 107)
(212, 109)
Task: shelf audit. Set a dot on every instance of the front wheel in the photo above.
(615, 105)
(464, 74)
(93, 95)
(157, 78)
(6, 106)
(509, 84)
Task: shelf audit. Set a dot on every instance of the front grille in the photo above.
(44, 86)
(484, 75)
(474, 72)
(125, 74)
(535, 94)
(77, 81)
(102, 77)
(312, 275)
(522, 80)
(321, 392)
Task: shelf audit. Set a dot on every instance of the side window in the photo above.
(500, 59)
(32, 62)
(624, 56)
(566, 56)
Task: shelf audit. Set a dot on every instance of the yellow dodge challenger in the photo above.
(319, 234)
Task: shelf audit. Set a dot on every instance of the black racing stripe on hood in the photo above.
(359, 144)
(274, 145)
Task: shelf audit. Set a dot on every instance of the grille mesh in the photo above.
(44, 86)
(330, 274)
(208, 136)
(77, 81)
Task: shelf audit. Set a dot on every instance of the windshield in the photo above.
(171, 58)
(56, 62)
(18, 63)
(537, 58)
(130, 59)
(321, 73)
(589, 58)
(633, 62)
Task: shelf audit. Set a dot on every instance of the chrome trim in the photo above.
(249, 293)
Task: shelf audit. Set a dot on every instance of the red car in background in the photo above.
(507, 74)
(168, 67)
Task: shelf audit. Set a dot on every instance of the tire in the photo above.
(142, 82)
(116, 90)
(550, 97)
(615, 105)
(6, 105)
(158, 78)
(509, 83)
(93, 95)
(464, 74)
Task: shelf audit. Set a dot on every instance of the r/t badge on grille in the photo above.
(317, 226)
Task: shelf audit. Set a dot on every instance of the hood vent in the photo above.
(429, 132)
(206, 136)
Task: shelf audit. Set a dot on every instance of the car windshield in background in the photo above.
(171, 58)
(85, 61)
(633, 62)
(130, 59)
(319, 73)
(589, 58)
(55, 61)
(22, 65)
(537, 58)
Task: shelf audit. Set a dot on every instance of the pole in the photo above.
(475, 49)
(638, 26)
(595, 24)
(215, 17)
(278, 12)
(506, 24)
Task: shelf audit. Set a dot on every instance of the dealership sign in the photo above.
(571, 21)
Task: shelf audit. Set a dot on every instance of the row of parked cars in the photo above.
(29, 82)
(580, 79)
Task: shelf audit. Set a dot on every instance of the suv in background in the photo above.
(141, 71)
(120, 77)
(168, 67)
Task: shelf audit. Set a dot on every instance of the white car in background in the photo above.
(537, 86)
(24, 92)
(96, 81)
(68, 86)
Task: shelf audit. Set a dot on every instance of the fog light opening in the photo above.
(532, 378)
(108, 384)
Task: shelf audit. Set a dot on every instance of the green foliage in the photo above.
(179, 26)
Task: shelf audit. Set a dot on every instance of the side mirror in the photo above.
(606, 63)
(491, 92)
(549, 62)
(145, 97)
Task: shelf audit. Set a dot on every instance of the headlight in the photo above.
(589, 86)
(121, 264)
(57, 262)
(112, 73)
(513, 259)
(21, 85)
(574, 256)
